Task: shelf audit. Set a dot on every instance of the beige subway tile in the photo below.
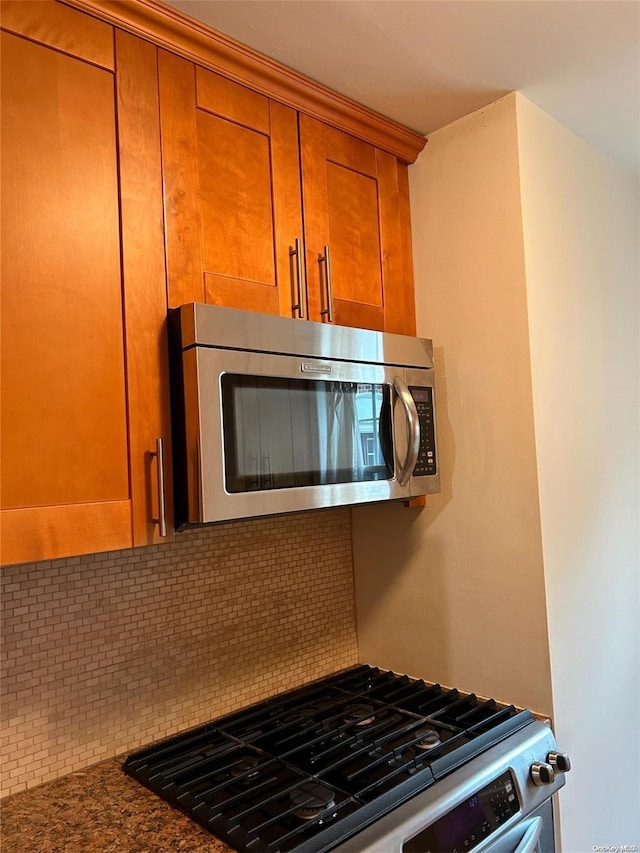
(121, 649)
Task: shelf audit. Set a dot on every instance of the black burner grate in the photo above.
(309, 768)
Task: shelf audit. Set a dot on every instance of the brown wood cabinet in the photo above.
(83, 396)
(354, 207)
(232, 191)
(251, 183)
(148, 161)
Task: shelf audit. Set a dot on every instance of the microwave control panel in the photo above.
(426, 462)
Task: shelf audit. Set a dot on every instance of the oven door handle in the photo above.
(413, 431)
(529, 841)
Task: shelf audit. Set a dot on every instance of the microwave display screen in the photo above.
(284, 433)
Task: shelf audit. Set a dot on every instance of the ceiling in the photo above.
(426, 63)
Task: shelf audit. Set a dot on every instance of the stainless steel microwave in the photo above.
(274, 415)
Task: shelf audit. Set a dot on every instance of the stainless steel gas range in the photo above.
(365, 760)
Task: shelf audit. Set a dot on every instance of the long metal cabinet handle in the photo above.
(161, 521)
(413, 431)
(297, 251)
(326, 260)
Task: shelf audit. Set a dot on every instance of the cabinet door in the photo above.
(355, 200)
(232, 191)
(68, 484)
(65, 481)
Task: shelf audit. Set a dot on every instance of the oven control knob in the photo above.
(541, 773)
(559, 761)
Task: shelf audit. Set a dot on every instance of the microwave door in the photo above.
(307, 438)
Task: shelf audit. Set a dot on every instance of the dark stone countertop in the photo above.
(98, 810)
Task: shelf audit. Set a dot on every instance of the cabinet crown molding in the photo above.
(171, 29)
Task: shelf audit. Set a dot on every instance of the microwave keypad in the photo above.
(426, 463)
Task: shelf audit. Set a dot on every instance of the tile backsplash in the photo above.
(103, 653)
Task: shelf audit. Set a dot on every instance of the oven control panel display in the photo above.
(470, 822)
(426, 461)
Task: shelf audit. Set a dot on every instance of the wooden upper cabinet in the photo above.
(356, 232)
(136, 177)
(249, 183)
(66, 418)
(231, 191)
(64, 426)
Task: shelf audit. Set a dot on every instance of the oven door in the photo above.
(272, 433)
(533, 834)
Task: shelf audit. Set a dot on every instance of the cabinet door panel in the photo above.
(235, 201)
(227, 99)
(351, 153)
(180, 173)
(354, 232)
(353, 204)
(287, 203)
(251, 296)
(397, 261)
(145, 294)
(232, 192)
(58, 26)
(63, 360)
(40, 533)
(64, 425)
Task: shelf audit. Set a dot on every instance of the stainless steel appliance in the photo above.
(275, 415)
(365, 760)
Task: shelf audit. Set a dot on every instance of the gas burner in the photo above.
(244, 766)
(308, 711)
(311, 799)
(362, 714)
(329, 765)
(429, 739)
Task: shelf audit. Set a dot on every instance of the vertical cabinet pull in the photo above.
(161, 521)
(300, 283)
(326, 260)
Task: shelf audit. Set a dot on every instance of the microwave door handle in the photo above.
(413, 431)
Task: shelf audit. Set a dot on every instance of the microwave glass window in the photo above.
(281, 433)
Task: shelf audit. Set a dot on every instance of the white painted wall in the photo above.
(521, 579)
(455, 593)
(581, 236)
